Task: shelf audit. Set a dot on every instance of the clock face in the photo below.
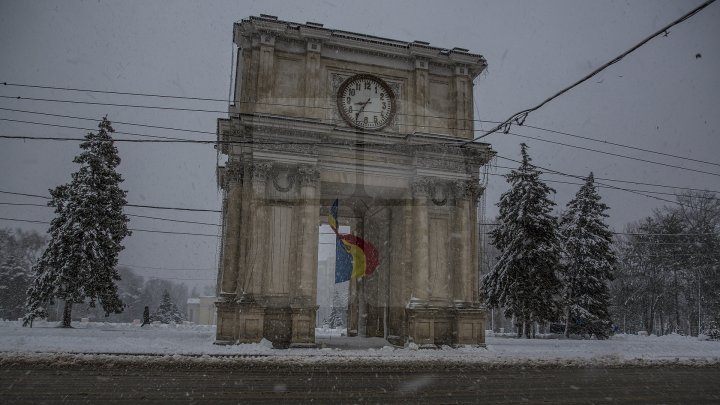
(366, 102)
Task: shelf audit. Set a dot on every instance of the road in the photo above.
(38, 384)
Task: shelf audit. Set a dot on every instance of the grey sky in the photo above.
(662, 97)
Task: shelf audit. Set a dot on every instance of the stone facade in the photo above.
(410, 188)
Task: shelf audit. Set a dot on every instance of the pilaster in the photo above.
(420, 192)
(232, 227)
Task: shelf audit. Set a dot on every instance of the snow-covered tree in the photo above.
(18, 251)
(14, 280)
(167, 312)
(524, 280)
(336, 317)
(588, 262)
(86, 234)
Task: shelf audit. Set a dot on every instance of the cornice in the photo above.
(354, 41)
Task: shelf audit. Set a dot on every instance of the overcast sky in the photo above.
(664, 97)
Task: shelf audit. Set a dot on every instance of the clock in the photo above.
(366, 102)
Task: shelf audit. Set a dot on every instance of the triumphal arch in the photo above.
(378, 124)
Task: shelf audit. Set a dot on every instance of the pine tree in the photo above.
(167, 312)
(80, 260)
(14, 280)
(335, 320)
(524, 279)
(588, 263)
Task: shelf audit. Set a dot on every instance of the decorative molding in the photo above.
(260, 171)
(434, 192)
(289, 177)
(308, 175)
(421, 186)
(467, 189)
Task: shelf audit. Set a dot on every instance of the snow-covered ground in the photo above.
(45, 339)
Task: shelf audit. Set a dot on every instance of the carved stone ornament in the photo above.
(233, 173)
(468, 189)
(438, 190)
(277, 172)
(421, 186)
(260, 171)
(308, 175)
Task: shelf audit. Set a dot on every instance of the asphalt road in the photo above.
(40, 384)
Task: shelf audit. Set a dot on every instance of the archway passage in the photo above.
(421, 291)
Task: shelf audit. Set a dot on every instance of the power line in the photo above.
(131, 229)
(113, 121)
(90, 129)
(632, 182)
(115, 104)
(215, 142)
(172, 220)
(643, 234)
(622, 145)
(608, 185)
(127, 205)
(321, 107)
(442, 127)
(612, 154)
(519, 117)
(123, 93)
(604, 186)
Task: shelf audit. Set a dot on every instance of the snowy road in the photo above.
(25, 383)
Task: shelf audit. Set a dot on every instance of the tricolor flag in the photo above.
(354, 257)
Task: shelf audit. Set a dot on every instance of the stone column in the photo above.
(308, 177)
(420, 189)
(265, 71)
(312, 80)
(303, 307)
(463, 284)
(460, 83)
(232, 223)
(422, 84)
(255, 256)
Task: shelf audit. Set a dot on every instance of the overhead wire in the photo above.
(130, 229)
(520, 117)
(426, 126)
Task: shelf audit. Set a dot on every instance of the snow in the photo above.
(45, 341)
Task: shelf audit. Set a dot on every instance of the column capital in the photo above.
(260, 171)
(467, 190)
(233, 172)
(308, 175)
(421, 186)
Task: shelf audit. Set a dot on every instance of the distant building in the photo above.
(201, 310)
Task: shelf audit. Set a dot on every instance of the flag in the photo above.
(354, 256)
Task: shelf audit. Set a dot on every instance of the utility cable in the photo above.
(520, 117)
(113, 121)
(130, 229)
(612, 154)
(127, 205)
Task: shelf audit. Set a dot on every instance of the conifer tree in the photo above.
(524, 280)
(587, 264)
(167, 311)
(79, 262)
(14, 280)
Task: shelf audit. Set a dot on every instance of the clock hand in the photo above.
(357, 116)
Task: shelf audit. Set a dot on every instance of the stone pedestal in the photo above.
(430, 327)
(470, 327)
(303, 327)
(421, 326)
(239, 322)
